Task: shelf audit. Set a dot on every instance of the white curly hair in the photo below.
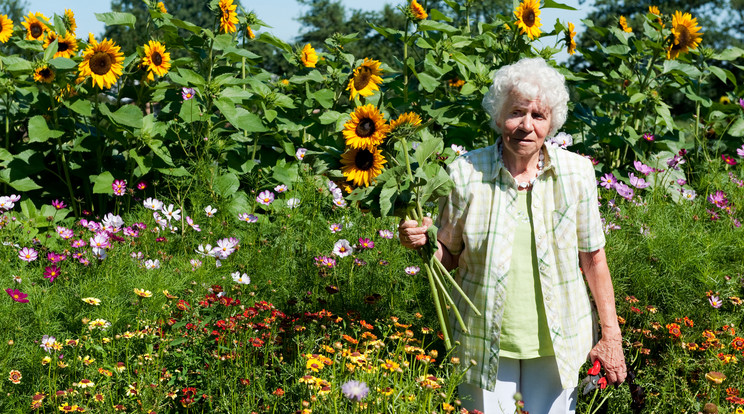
(530, 78)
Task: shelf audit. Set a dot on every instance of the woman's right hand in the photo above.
(412, 235)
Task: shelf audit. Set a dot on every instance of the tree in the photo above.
(13, 9)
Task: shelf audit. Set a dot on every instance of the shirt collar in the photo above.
(498, 165)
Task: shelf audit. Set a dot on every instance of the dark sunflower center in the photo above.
(361, 80)
(528, 17)
(365, 128)
(684, 38)
(36, 30)
(45, 73)
(364, 160)
(100, 63)
(63, 47)
(157, 58)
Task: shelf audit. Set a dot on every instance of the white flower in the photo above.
(243, 279)
(458, 149)
(210, 211)
(171, 214)
(152, 264)
(561, 140)
(281, 188)
(293, 202)
(688, 194)
(204, 249)
(342, 248)
(412, 270)
(300, 153)
(153, 204)
(110, 221)
(339, 202)
(6, 203)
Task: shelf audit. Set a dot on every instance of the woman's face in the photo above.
(524, 126)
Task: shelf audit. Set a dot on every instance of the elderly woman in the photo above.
(521, 220)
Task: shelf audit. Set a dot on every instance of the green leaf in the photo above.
(29, 209)
(324, 97)
(637, 97)
(38, 131)
(550, 4)
(662, 110)
(223, 41)
(430, 25)
(463, 60)
(428, 82)
(226, 185)
(185, 25)
(102, 183)
(62, 63)
(238, 54)
(192, 77)
(428, 148)
(25, 184)
(388, 195)
(737, 128)
(436, 15)
(128, 115)
(314, 76)
(286, 174)
(174, 172)
(190, 111)
(720, 73)
(51, 50)
(730, 53)
(275, 41)
(161, 151)
(16, 64)
(330, 117)
(239, 117)
(437, 186)
(116, 18)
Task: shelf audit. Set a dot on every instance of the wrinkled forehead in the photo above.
(519, 99)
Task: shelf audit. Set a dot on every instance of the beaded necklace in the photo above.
(525, 184)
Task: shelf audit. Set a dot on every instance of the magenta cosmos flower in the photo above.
(58, 204)
(728, 159)
(365, 243)
(265, 197)
(17, 295)
(187, 93)
(120, 187)
(51, 272)
(27, 254)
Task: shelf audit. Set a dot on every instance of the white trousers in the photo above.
(538, 381)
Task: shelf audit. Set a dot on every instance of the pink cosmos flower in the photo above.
(637, 182)
(608, 181)
(187, 93)
(325, 262)
(365, 243)
(281, 188)
(728, 159)
(624, 190)
(120, 187)
(386, 234)
(648, 137)
(265, 197)
(141, 185)
(65, 233)
(715, 301)
(412, 270)
(247, 217)
(342, 248)
(300, 153)
(17, 295)
(28, 254)
(58, 204)
(335, 228)
(51, 273)
(191, 223)
(718, 198)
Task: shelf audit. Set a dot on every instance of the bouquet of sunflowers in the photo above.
(393, 169)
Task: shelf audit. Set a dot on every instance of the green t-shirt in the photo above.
(524, 327)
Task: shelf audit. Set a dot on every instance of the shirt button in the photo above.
(543, 267)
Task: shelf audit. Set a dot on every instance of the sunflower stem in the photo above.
(443, 292)
(457, 287)
(438, 307)
(405, 69)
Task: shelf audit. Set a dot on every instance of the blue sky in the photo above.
(280, 14)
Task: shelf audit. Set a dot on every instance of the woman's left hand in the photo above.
(609, 351)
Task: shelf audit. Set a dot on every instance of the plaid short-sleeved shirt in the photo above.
(477, 221)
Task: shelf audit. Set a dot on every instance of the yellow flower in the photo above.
(47, 359)
(250, 33)
(527, 18)
(455, 82)
(724, 100)
(390, 365)
(103, 62)
(418, 11)
(570, 41)
(715, 377)
(35, 28)
(6, 28)
(92, 301)
(162, 8)
(229, 17)
(69, 21)
(142, 293)
(44, 74)
(366, 79)
(156, 59)
(686, 34)
(361, 166)
(623, 23)
(366, 129)
(67, 45)
(308, 56)
(67, 408)
(409, 118)
(654, 10)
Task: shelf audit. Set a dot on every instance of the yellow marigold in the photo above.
(229, 17)
(418, 11)
(35, 28)
(528, 20)
(623, 23)
(686, 34)
(103, 62)
(308, 56)
(6, 28)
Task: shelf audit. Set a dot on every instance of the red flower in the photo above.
(728, 159)
(17, 295)
(674, 330)
(738, 343)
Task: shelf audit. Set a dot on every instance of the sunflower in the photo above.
(366, 129)
(66, 45)
(570, 42)
(410, 118)
(686, 34)
(44, 74)
(161, 7)
(156, 60)
(6, 28)
(308, 56)
(361, 166)
(527, 17)
(455, 82)
(655, 11)
(35, 28)
(229, 17)
(366, 78)
(418, 11)
(69, 20)
(623, 23)
(102, 61)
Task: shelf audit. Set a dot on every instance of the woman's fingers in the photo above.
(412, 235)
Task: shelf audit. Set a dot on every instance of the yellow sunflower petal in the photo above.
(366, 129)
(366, 79)
(361, 166)
(308, 56)
(6, 28)
(528, 20)
(229, 17)
(686, 34)
(35, 28)
(103, 62)
(156, 59)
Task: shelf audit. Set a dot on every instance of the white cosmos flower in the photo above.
(342, 248)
